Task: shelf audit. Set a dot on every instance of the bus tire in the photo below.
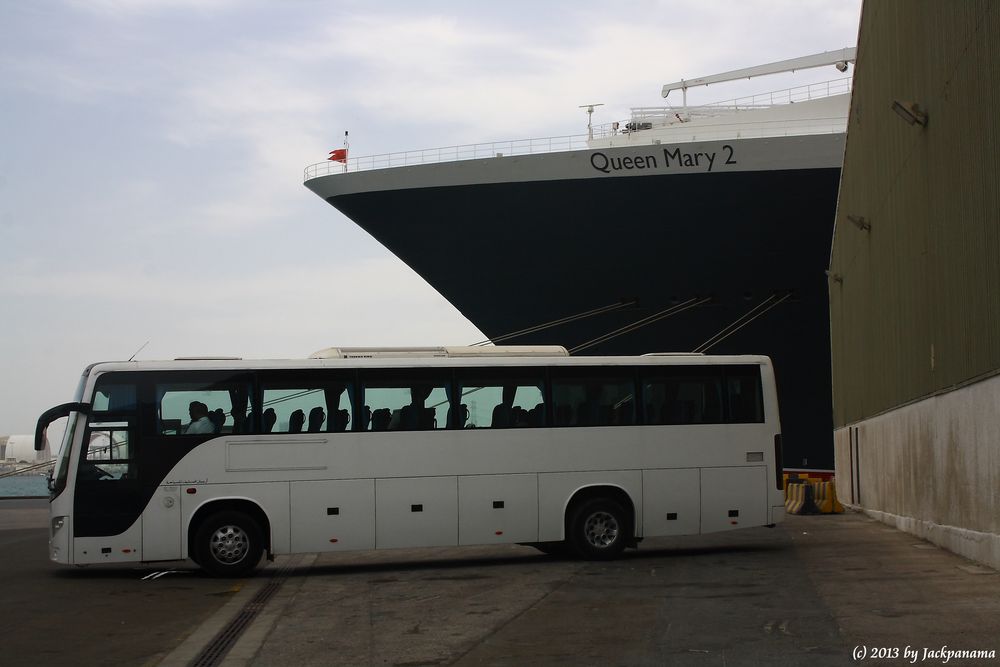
(228, 544)
(599, 529)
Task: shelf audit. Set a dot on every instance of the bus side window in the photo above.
(683, 395)
(215, 406)
(743, 389)
(312, 403)
(410, 400)
(500, 398)
(593, 397)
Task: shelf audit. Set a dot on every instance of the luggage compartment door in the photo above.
(733, 498)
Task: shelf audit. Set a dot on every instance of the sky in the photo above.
(152, 155)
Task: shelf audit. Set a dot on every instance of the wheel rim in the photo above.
(229, 544)
(601, 530)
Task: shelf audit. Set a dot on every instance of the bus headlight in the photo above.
(59, 551)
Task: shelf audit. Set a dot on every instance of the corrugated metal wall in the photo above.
(915, 300)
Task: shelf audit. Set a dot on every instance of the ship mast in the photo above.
(590, 115)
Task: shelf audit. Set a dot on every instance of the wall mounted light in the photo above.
(860, 221)
(910, 112)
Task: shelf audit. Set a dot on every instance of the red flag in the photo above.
(339, 155)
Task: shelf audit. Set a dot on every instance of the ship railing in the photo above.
(812, 91)
(644, 118)
(450, 154)
(606, 137)
(681, 133)
(619, 133)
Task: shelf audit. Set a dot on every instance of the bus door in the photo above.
(107, 501)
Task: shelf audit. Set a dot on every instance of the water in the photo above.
(23, 485)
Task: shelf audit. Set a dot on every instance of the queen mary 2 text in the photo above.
(672, 157)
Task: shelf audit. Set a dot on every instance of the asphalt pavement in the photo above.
(818, 590)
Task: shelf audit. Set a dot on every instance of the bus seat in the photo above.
(270, 417)
(296, 421)
(536, 415)
(381, 418)
(713, 407)
(654, 414)
(316, 418)
(218, 418)
(341, 418)
(459, 420)
(413, 418)
(518, 416)
(564, 415)
(501, 416)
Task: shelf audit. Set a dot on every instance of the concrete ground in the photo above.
(815, 590)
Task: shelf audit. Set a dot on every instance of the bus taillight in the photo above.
(779, 473)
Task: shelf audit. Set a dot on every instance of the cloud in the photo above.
(383, 278)
(122, 9)
(347, 301)
(154, 152)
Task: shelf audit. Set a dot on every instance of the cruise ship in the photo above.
(681, 228)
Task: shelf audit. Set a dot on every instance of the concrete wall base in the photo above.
(981, 547)
(930, 468)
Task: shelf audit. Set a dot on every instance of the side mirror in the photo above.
(50, 416)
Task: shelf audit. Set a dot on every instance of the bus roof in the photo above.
(415, 360)
(446, 351)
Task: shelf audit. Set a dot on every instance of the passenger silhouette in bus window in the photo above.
(200, 422)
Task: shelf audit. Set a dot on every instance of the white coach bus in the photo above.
(224, 460)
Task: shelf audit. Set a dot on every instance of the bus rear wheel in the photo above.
(598, 529)
(228, 544)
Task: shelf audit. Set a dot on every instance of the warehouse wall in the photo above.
(915, 298)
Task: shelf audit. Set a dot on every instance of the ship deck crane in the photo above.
(839, 58)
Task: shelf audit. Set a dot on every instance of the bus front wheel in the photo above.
(228, 544)
(599, 529)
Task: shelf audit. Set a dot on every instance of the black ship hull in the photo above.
(510, 255)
